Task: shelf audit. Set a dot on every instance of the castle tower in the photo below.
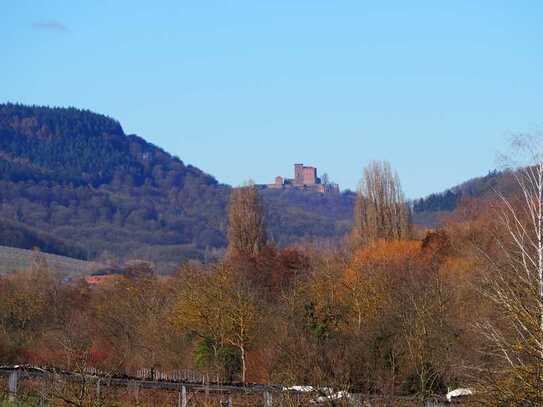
(310, 175)
(298, 174)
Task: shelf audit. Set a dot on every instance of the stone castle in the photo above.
(304, 178)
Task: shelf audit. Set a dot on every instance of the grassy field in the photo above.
(12, 259)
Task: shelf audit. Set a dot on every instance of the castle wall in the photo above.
(304, 178)
(310, 175)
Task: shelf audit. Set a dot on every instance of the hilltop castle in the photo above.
(304, 178)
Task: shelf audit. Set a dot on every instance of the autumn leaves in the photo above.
(393, 311)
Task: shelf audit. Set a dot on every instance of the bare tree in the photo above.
(513, 281)
(380, 211)
(325, 179)
(246, 226)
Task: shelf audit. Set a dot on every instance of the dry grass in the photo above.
(13, 259)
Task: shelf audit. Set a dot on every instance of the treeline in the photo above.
(394, 311)
(482, 187)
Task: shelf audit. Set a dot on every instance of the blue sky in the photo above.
(243, 89)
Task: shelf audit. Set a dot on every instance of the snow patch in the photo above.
(458, 393)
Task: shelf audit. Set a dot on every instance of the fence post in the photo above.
(12, 384)
(98, 390)
(43, 391)
(183, 396)
(268, 400)
(136, 389)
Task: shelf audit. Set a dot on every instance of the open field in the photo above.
(13, 259)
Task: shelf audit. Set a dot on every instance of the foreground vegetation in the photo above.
(394, 311)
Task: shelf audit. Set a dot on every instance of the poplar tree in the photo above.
(381, 212)
(246, 225)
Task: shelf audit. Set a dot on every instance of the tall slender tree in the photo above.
(246, 224)
(380, 211)
(513, 281)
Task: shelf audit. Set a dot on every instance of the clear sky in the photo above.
(243, 89)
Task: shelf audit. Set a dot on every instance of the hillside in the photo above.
(295, 215)
(70, 175)
(14, 259)
(15, 234)
(427, 210)
(76, 175)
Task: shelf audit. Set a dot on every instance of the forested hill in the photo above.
(74, 175)
(78, 147)
(427, 210)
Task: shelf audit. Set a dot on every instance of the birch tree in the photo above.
(241, 316)
(219, 306)
(513, 281)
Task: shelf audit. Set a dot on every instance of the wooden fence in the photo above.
(185, 382)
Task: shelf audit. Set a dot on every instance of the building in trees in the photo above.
(305, 177)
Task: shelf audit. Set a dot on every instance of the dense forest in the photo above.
(75, 175)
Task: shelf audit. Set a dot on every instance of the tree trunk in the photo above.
(243, 365)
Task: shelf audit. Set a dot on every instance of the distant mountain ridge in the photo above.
(76, 146)
(76, 176)
(426, 210)
(449, 199)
